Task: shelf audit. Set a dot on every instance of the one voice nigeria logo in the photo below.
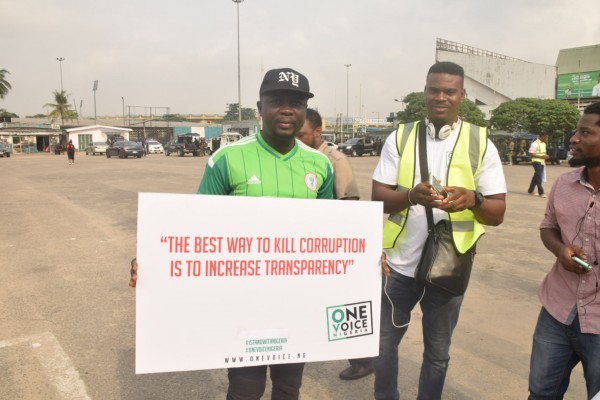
(349, 320)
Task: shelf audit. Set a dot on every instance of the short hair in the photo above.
(314, 118)
(446, 67)
(593, 108)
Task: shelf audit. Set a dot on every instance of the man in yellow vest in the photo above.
(467, 164)
(538, 154)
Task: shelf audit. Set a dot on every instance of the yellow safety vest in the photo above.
(541, 150)
(465, 161)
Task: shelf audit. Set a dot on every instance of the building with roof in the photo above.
(492, 79)
(578, 70)
(85, 135)
(29, 138)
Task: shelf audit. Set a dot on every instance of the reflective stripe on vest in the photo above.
(471, 144)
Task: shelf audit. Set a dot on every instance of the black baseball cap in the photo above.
(285, 79)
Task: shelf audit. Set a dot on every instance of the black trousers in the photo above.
(248, 383)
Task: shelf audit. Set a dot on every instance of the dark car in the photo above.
(358, 146)
(4, 151)
(124, 149)
(189, 143)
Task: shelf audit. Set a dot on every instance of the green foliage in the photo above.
(61, 108)
(232, 113)
(36, 116)
(4, 113)
(174, 118)
(4, 85)
(537, 116)
(416, 110)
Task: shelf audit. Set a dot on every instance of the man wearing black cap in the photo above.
(269, 164)
(272, 164)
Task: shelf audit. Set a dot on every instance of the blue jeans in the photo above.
(557, 349)
(538, 177)
(248, 383)
(440, 315)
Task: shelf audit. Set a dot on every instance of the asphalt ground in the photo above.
(67, 315)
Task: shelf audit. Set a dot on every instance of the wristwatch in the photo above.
(478, 200)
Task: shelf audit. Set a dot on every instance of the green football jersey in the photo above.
(250, 167)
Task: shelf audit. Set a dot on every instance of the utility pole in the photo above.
(347, 96)
(95, 88)
(237, 3)
(60, 60)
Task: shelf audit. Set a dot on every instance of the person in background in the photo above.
(511, 151)
(538, 154)
(462, 155)
(246, 169)
(71, 152)
(596, 88)
(568, 327)
(345, 188)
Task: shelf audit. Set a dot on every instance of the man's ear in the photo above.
(318, 131)
(258, 106)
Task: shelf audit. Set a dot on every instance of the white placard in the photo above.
(229, 281)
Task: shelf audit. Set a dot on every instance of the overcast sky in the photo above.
(182, 54)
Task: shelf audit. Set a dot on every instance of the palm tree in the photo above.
(4, 85)
(61, 108)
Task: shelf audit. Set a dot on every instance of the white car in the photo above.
(152, 146)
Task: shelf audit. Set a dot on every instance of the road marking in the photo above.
(56, 363)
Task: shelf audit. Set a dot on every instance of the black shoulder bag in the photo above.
(441, 267)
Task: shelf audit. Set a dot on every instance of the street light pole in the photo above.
(347, 95)
(60, 60)
(94, 89)
(237, 3)
(123, 101)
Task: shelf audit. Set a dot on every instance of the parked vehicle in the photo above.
(358, 146)
(229, 137)
(4, 151)
(153, 147)
(96, 148)
(124, 149)
(189, 143)
(521, 141)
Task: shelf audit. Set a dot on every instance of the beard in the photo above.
(585, 162)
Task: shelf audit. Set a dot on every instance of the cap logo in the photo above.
(289, 76)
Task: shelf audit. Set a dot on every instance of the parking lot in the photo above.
(67, 315)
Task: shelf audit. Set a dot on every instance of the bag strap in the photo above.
(424, 169)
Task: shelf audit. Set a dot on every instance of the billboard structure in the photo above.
(581, 84)
(579, 75)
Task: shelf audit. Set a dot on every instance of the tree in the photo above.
(4, 85)
(537, 116)
(232, 113)
(173, 117)
(416, 110)
(61, 108)
(4, 113)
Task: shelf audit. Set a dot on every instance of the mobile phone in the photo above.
(581, 262)
(437, 186)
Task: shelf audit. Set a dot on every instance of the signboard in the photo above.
(578, 85)
(230, 281)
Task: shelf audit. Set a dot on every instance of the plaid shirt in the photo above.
(573, 209)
